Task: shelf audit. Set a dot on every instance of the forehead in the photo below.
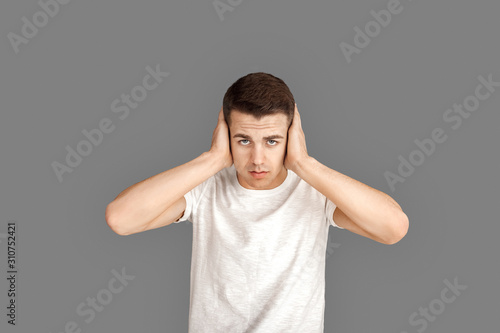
(242, 121)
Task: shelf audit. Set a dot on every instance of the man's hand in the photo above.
(296, 150)
(220, 142)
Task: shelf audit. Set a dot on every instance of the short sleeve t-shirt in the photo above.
(258, 256)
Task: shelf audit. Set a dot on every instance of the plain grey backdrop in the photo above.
(63, 66)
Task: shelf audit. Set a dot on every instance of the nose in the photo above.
(258, 155)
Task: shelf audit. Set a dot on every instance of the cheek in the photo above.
(237, 152)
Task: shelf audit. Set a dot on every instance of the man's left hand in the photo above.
(296, 150)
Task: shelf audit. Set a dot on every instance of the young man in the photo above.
(261, 208)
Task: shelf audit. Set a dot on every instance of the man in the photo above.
(261, 208)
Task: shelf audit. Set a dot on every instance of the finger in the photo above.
(296, 117)
(221, 116)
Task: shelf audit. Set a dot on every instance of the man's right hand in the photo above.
(220, 142)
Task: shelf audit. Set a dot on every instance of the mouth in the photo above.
(258, 174)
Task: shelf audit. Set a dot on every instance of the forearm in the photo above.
(142, 202)
(372, 210)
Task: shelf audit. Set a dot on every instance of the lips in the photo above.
(258, 175)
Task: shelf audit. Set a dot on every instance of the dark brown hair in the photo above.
(259, 94)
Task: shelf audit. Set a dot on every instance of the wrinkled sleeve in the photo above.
(329, 209)
(193, 198)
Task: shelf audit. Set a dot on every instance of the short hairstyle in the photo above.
(259, 94)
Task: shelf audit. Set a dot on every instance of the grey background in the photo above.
(357, 117)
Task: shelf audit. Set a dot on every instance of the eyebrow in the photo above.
(270, 137)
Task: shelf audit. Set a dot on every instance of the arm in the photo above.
(360, 208)
(134, 208)
(156, 201)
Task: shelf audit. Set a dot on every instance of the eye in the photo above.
(275, 142)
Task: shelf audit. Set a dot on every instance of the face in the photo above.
(259, 145)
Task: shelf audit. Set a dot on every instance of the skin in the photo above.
(256, 153)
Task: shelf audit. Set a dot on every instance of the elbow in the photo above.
(399, 229)
(112, 222)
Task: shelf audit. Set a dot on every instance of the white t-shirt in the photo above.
(258, 256)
